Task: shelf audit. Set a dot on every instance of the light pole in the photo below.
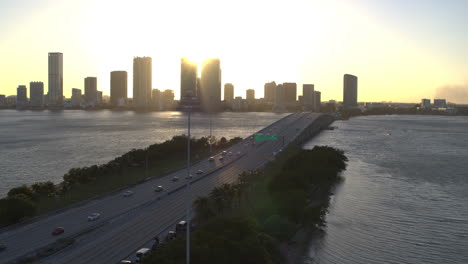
(211, 139)
(188, 188)
(189, 200)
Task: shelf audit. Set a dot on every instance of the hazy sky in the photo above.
(401, 50)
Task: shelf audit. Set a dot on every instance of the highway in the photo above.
(127, 223)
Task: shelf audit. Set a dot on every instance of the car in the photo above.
(127, 193)
(58, 231)
(224, 152)
(199, 172)
(189, 177)
(181, 227)
(211, 159)
(142, 253)
(238, 153)
(126, 262)
(158, 188)
(2, 247)
(229, 153)
(93, 216)
(171, 235)
(175, 178)
(221, 158)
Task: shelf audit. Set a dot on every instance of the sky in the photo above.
(400, 50)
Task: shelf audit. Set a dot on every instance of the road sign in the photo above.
(261, 137)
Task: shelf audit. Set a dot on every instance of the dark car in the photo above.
(181, 226)
(171, 235)
(58, 231)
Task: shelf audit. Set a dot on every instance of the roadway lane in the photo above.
(127, 223)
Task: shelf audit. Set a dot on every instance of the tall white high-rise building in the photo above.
(350, 86)
(91, 95)
(142, 81)
(55, 91)
(76, 98)
(21, 96)
(36, 94)
(211, 85)
(308, 96)
(279, 94)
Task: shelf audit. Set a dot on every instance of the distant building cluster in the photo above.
(438, 104)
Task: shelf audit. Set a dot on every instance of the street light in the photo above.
(189, 200)
(211, 139)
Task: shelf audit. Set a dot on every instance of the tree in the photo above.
(222, 240)
(23, 189)
(44, 188)
(16, 208)
(203, 210)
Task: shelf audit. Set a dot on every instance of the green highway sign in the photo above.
(261, 137)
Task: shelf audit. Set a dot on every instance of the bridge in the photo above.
(129, 223)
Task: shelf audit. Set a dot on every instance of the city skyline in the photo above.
(330, 39)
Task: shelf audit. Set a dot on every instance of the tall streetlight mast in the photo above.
(188, 198)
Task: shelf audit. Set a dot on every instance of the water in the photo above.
(43, 145)
(405, 194)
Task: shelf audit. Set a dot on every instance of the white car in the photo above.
(221, 158)
(224, 152)
(175, 178)
(199, 172)
(93, 216)
(127, 194)
(159, 188)
(211, 159)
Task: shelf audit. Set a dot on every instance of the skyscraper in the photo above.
(317, 100)
(21, 96)
(99, 98)
(90, 91)
(228, 92)
(440, 103)
(55, 91)
(76, 98)
(290, 92)
(2, 100)
(142, 81)
(188, 79)
(250, 96)
(167, 99)
(349, 91)
(279, 94)
(36, 94)
(211, 85)
(156, 99)
(425, 103)
(118, 88)
(269, 92)
(308, 96)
